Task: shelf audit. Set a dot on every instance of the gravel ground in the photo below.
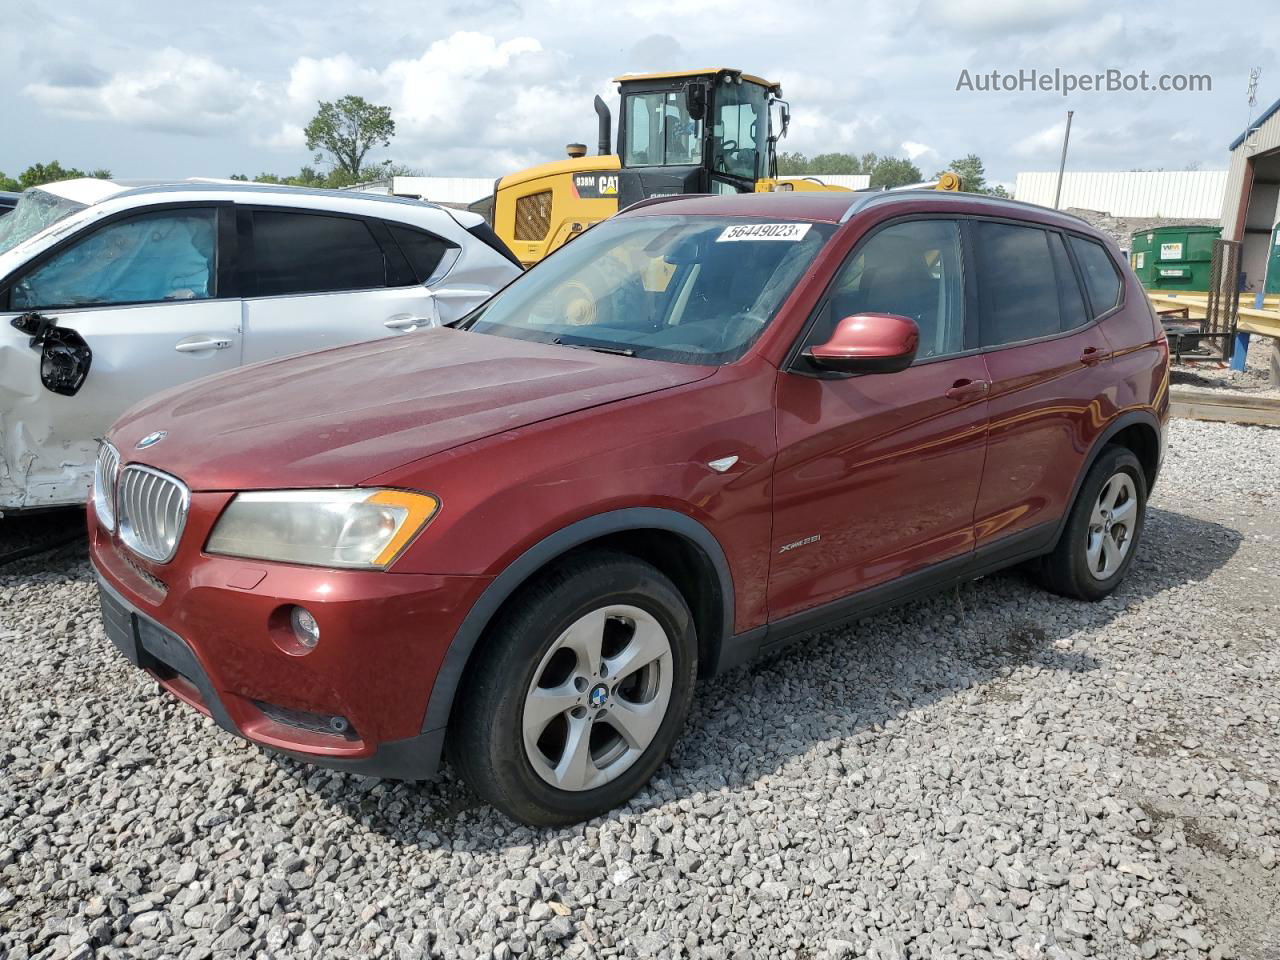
(1253, 381)
(992, 773)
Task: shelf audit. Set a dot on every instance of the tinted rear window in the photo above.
(298, 253)
(1070, 298)
(423, 250)
(1100, 276)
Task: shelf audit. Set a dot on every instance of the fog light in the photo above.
(305, 628)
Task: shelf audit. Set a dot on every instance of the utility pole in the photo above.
(1062, 165)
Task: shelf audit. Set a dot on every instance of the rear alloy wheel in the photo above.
(579, 692)
(1100, 538)
(1111, 526)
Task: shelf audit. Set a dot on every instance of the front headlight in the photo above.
(324, 528)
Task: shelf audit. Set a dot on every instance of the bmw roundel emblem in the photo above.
(599, 696)
(151, 439)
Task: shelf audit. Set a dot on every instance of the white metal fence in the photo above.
(1190, 194)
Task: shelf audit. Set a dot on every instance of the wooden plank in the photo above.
(1265, 323)
(1205, 405)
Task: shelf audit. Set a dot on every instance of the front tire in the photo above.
(581, 689)
(1101, 537)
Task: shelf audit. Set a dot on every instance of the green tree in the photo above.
(884, 171)
(51, 172)
(836, 164)
(973, 174)
(390, 169)
(792, 164)
(889, 172)
(344, 131)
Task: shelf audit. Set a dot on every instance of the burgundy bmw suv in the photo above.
(704, 427)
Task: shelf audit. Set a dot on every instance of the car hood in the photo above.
(341, 416)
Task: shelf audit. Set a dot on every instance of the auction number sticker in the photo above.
(764, 231)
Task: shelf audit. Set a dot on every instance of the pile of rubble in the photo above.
(1122, 229)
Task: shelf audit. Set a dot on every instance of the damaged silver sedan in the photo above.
(111, 292)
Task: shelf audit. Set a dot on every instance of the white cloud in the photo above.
(170, 91)
(312, 80)
(1045, 141)
(915, 151)
(999, 16)
(486, 86)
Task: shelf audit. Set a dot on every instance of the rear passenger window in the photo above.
(1017, 283)
(1070, 298)
(1100, 275)
(306, 253)
(423, 251)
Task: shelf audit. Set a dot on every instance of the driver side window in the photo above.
(910, 269)
(150, 258)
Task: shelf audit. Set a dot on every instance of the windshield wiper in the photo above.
(598, 348)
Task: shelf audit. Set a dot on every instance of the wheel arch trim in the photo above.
(1129, 418)
(467, 637)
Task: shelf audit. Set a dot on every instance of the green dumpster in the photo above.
(1273, 262)
(1174, 258)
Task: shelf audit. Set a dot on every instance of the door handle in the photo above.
(1092, 355)
(407, 323)
(968, 389)
(195, 346)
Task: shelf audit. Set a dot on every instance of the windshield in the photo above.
(693, 290)
(36, 210)
(739, 136)
(660, 131)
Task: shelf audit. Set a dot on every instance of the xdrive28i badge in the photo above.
(595, 186)
(151, 439)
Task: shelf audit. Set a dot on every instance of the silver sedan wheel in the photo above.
(598, 697)
(1111, 526)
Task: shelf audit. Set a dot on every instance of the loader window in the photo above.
(739, 138)
(660, 131)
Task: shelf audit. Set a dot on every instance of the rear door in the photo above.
(315, 280)
(152, 297)
(1048, 362)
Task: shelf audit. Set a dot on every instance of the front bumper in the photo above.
(208, 629)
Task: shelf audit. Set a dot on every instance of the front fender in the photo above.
(536, 558)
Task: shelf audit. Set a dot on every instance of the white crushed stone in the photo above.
(995, 772)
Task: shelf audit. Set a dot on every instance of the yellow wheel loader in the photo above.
(692, 131)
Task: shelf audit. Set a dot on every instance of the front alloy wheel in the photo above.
(598, 697)
(579, 691)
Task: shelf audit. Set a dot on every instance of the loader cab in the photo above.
(696, 132)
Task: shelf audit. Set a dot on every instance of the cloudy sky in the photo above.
(481, 87)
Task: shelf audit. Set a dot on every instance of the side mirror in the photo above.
(695, 100)
(868, 343)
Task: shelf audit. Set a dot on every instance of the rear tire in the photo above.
(1101, 536)
(580, 691)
